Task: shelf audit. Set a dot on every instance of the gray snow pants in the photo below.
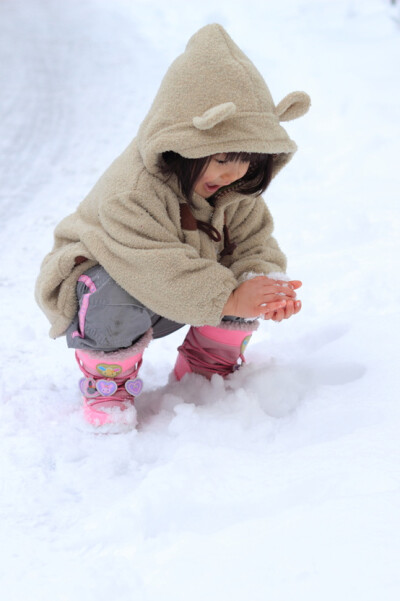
(109, 318)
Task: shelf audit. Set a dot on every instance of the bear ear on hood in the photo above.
(215, 115)
(294, 105)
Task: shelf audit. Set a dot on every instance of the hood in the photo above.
(213, 100)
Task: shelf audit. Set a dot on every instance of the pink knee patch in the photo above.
(84, 305)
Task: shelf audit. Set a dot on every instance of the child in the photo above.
(175, 232)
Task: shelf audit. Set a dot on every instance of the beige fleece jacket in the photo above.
(211, 100)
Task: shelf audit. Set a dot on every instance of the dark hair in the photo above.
(255, 181)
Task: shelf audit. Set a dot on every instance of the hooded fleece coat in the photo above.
(211, 100)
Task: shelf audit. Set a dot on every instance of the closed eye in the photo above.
(226, 161)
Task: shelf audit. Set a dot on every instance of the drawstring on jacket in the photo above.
(209, 229)
(229, 246)
(189, 222)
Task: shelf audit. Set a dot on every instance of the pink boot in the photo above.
(209, 350)
(111, 383)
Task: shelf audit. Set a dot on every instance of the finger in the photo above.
(279, 315)
(278, 291)
(269, 315)
(289, 309)
(279, 288)
(285, 312)
(291, 284)
(275, 285)
(268, 299)
(273, 306)
(297, 306)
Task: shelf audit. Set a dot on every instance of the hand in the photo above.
(260, 296)
(291, 308)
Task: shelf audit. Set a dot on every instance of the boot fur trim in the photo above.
(124, 353)
(245, 326)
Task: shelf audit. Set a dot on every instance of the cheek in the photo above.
(244, 170)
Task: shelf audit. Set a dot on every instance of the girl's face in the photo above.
(219, 173)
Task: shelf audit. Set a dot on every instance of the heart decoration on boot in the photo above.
(88, 387)
(134, 387)
(106, 387)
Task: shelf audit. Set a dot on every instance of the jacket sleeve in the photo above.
(250, 226)
(139, 243)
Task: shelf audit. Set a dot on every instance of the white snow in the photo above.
(283, 482)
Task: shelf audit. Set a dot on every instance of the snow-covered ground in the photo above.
(281, 483)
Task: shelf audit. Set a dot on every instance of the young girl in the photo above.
(175, 232)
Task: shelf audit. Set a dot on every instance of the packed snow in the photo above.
(281, 482)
